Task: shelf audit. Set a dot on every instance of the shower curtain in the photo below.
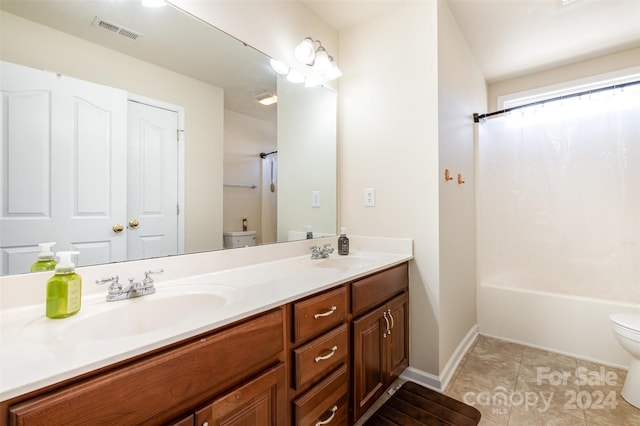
(558, 194)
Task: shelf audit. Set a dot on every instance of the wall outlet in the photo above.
(369, 197)
(315, 198)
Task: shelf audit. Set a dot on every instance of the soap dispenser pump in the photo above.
(64, 289)
(46, 260)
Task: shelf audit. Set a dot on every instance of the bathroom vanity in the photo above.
(297, 342)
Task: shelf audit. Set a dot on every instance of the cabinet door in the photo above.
(369, 353)
(259, 402)
(397, 340)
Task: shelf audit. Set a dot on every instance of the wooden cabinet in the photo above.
(158, 388)
(380, 336)
(312, 361)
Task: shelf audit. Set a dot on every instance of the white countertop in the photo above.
(37, 352)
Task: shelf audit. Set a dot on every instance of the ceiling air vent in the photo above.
(116, 29)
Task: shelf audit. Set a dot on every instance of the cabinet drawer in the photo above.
(326, 403)
(159, 388)
(319, 313)
(321, 355)
(369, 292)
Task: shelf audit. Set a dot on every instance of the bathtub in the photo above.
(573, 325)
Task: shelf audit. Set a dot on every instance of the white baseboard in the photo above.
(463, 347)
(440, 383)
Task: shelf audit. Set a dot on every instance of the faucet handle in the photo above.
(147, 275)
(114, 287)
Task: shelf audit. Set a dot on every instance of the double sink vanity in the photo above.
(260, 335)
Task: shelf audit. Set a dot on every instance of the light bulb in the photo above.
(333, 72)
(279, 67)
(295, 76)
(305, 51)
(321, 63)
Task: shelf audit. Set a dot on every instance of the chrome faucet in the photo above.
(135, 289)
(321, 253)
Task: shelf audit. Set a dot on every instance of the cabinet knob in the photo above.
(133, 223)
(117, 228)
(333, 410)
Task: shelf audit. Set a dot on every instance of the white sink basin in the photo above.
(170, 308)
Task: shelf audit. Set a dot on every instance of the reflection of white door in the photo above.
(153, 181)
(62, 169)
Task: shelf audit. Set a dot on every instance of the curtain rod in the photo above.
(264, 155)
(477, 117)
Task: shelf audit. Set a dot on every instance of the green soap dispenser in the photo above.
(64, 289)
(46, 261)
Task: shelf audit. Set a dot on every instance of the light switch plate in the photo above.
(315, 198)
(369, 197)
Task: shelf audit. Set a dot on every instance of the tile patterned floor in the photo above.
(516, 385)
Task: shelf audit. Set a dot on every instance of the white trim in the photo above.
(181, 155)
(463, 347)
(440, 383)
(423, 378)
(568, 87)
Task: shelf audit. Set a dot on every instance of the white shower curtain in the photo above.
(558, 195)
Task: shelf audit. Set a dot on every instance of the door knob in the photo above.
(133, 223)
(117, 228)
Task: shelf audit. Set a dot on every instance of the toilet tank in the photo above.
(236, 239)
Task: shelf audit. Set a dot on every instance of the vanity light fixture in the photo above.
(267, 99)
(310, 52)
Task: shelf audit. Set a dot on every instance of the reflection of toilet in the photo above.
(626, 328)
(236, 239)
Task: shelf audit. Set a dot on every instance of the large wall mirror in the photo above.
(130, 78)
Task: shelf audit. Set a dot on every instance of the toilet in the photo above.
(235, 239)
(626, 328)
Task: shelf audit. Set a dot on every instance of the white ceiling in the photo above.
(515, 37)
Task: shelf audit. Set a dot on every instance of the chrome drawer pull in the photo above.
(390, 316)
(325, 314)
(333, 410)
(329, 355)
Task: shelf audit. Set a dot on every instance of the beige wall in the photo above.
(389, 141)
(30, 44)
(575, 71)
(461, 92)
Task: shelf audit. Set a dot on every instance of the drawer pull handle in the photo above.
(333, 410)
(388, 330)
(327, 356)
(325, 314)
(390, 316)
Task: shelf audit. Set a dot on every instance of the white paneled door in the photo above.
(153, 181)
(83, 166)
(62, 167)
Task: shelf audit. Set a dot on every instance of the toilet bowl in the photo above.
(626, 328)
